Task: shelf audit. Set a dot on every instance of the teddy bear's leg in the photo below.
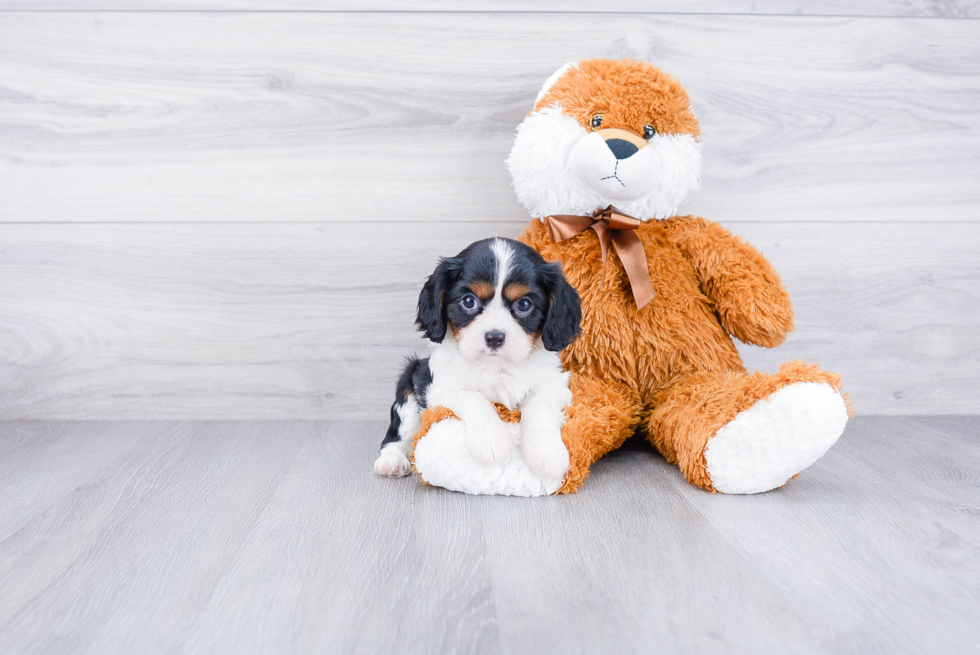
(441, 457)
(742, 433)
(602, 415)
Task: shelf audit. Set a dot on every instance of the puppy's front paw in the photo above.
(491, 443)
(545, 455)
(392, 462)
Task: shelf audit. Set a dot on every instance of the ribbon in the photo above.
(611, 225)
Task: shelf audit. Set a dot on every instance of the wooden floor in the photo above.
(240, 537)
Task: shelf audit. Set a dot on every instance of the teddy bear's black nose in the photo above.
(621, 148)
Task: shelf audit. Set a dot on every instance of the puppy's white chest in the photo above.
(502, 386)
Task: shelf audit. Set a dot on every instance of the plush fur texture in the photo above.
(675, 357)
(670, 370)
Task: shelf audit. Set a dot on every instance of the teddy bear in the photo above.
(609, 151)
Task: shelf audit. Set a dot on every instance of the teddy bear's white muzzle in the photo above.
(594, 165)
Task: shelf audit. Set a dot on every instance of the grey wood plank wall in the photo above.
(915, 8)
(228, 214)
(291, 117)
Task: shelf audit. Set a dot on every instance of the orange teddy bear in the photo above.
(602, 162)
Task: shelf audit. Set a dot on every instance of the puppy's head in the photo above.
(607, 132)
(498, 298)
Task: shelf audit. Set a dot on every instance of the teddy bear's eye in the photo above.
(649, 131)
(596, 121)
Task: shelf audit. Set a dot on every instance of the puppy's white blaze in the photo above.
(503, 253)
(540, 167)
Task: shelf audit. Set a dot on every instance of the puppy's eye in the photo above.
(469, 302)
(649, 131)
(523, 307)
(596, 121)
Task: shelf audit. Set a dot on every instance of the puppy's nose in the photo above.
(621, 148)
(494, 339)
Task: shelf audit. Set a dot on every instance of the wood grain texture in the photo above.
(214, 321)
(897, 8)
(191, 525)
(903, 483)
(274, 537)
(223, 116)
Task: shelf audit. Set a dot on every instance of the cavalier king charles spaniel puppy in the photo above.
(508, 313)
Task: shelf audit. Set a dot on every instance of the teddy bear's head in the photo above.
(607, 132)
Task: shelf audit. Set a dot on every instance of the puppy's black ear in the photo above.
(561, 325)
(431, 316)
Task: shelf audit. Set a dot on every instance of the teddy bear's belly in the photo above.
(649, 349)
(677, 333)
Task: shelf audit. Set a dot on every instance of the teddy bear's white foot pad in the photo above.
(776, 438)
(443, 460)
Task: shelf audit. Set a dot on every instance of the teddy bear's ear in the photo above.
(554, 78)
(431, 316)
(561, 325)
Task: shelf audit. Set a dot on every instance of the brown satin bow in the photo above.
(611, 225)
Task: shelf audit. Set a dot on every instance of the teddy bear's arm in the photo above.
(752, 303)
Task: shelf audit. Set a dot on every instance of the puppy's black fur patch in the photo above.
(414, 380)
(431, 316)
(563, 323)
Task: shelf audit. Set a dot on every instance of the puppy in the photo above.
(508, 313)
